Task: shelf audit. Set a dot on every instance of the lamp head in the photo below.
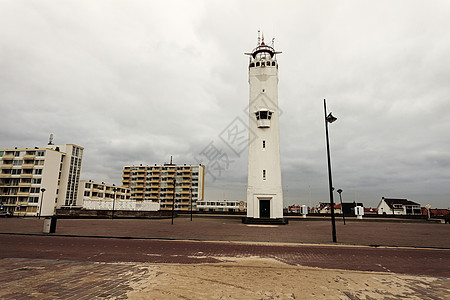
(330, 118)
(339, 191)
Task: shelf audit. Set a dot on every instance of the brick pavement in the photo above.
(55, 279)
(56, 267)
(231, 229)
(424, 262)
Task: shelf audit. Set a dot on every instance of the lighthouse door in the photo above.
(264, 208)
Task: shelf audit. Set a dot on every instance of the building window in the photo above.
(16, 171)
(264, 174)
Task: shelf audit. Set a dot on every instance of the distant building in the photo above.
(436, 212)
(297, 209)
(156, 183)
(46, 177)
(392, 206)
(346, 207)
(89, 190)
(102, 196)
(222, 205)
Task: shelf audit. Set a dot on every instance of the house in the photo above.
(393, 206)
(436, 212)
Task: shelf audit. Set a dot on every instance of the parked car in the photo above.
(5, 214)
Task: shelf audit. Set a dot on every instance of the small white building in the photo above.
(102, 196)
(392, 206)
(222, 205)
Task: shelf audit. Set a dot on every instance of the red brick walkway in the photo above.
(231, 229)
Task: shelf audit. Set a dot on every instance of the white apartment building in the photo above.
(222, 205)
(161, 183)
(36, 181)
(90, 190)
(101, 196)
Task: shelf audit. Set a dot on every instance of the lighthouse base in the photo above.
(265, 221)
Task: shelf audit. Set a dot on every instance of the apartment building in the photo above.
(90, 190)
(36, 181)
(163, 183)
(101, 196)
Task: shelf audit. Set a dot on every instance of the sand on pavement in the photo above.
(264, 278)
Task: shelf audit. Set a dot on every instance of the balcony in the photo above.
(5, 175)
(27, 175)
(25, 184)
(27, 166)
(25, 194)
(29, 156)
(8, 156)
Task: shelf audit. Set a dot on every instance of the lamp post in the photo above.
(342, 206)
(190, 189)
(330, 119)
(173, 198)
(42, 199)
(114, 202)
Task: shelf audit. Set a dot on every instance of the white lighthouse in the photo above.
(264, 191)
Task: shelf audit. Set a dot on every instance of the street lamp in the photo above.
(330, 119)
(190, 189)
(114, 202)
(42, 199)
(342, 206)
(173, 198)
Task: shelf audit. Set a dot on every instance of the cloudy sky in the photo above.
(138, 81)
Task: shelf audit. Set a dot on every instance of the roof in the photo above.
(391, 201)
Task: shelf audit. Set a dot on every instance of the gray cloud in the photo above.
(137, 81)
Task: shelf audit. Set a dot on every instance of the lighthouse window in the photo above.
(252, 65)
(263, 115)
(264, 174)
(257, 64)
(264, 144)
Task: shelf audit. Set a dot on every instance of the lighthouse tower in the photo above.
(264, 191)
